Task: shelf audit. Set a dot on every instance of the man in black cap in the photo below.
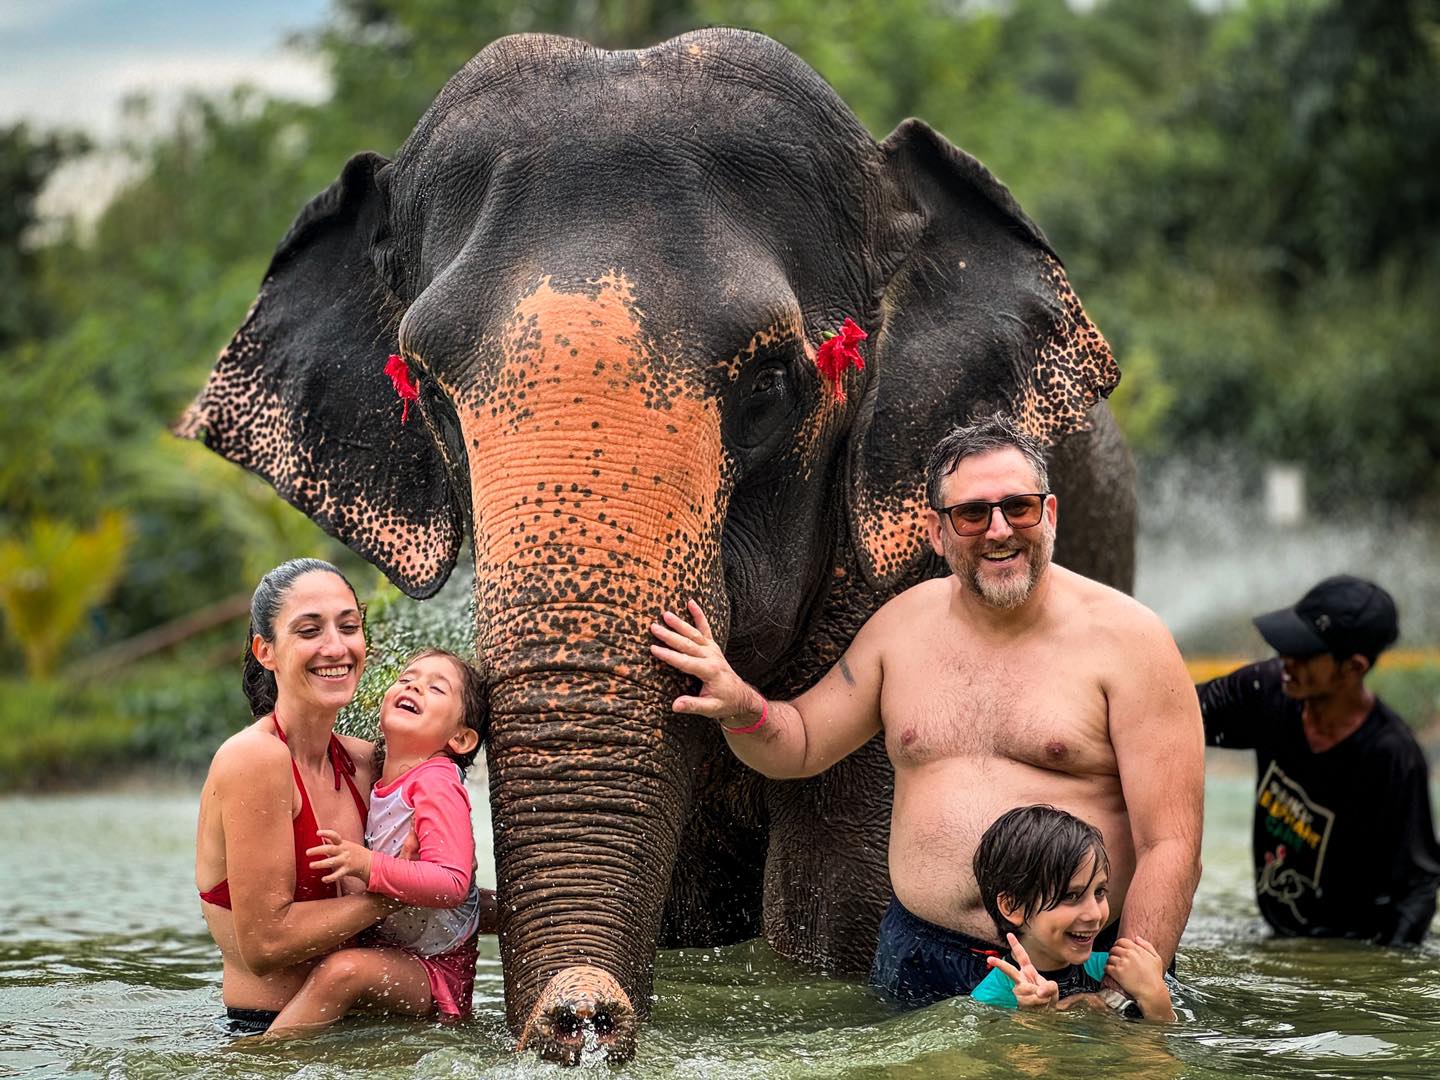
(1344, 844)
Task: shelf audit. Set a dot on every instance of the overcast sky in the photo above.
(70, 62)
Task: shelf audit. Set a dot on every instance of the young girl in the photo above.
(1043, 876)
(422, 959)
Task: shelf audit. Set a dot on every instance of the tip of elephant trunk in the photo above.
(582, 1016)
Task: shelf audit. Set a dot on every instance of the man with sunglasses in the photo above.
(1008, 683)
(1343, 840)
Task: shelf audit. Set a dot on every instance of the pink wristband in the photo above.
(756, 726)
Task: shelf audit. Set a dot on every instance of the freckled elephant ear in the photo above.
(300, 395)
(979, 318)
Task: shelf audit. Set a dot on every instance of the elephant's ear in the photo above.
(978, 317)
(300, 395)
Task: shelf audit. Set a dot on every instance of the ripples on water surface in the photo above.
(106, 970)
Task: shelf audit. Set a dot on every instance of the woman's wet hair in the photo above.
(474, 707)
(1029, 856)
(257, 681)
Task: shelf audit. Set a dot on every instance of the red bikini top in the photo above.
(309, 884)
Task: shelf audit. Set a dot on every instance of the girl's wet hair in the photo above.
(1029, 856)
(474, 702)
(257, 681)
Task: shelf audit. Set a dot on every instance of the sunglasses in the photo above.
(973, 518)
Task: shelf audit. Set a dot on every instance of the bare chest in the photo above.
(1039, 707)
(333, 809)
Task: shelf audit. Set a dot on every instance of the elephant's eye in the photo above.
(768, 379)
(766, 405)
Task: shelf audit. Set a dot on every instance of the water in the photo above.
(1209, 558)
(106, 971)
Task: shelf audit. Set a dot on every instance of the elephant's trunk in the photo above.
(581, 1008)
(599, 490)
(589, 800)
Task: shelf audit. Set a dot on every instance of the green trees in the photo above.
(52, 576)
(1291, 310)
(109, 526)
(1244, 194)
(26, 161)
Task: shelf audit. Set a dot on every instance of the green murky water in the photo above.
(106, 970)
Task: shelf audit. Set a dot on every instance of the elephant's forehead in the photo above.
(718, 107)
(586, 336)
(585, 444)
(707, 79)
(601, 309)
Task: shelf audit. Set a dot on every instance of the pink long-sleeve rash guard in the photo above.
(439, 812)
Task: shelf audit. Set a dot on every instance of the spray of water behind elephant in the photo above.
(1217, 544)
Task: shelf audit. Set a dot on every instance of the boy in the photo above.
(1043, 876)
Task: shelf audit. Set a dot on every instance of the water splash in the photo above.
(1209, 559)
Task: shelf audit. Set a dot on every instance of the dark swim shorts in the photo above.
(918, 963)
(249, 1021)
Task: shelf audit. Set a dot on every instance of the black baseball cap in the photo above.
(1342, 615)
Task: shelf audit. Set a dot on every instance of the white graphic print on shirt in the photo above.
(1299, 829)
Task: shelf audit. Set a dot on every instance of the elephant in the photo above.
(607, 275)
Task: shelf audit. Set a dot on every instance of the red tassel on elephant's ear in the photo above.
(405, 387)
(838, 353)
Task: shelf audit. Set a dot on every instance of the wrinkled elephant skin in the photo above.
(609, 273)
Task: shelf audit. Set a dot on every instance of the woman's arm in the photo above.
(273, 930)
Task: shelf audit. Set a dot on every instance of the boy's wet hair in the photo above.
(1029, 856)
(474, 702)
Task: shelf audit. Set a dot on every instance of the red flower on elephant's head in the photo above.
(405, 386)
(840, 352)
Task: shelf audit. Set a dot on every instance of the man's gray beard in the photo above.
(1013, 590)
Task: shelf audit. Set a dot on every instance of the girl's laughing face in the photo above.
(423, 711)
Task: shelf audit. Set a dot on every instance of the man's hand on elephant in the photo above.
(689, 647)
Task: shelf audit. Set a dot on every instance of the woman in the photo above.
(272, 786)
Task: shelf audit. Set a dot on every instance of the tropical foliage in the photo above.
(1244, 194)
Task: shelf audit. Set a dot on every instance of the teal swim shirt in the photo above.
(997, 989)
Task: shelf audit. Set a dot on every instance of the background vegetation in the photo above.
(1245, 196)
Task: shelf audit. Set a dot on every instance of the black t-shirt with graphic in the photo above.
(1344, 844)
